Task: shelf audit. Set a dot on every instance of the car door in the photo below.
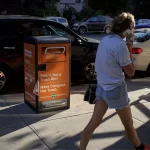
(11, 43)
(101, 22)
(92, 24)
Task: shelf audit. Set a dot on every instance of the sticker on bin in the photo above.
(35, 90)
(53, 95)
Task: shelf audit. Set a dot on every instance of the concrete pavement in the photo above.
(22, 129)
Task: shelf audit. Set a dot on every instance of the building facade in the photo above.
(15, 6)
(10, 6)
(64, 4)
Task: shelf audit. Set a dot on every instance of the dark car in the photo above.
(13, 29)
(93, 24)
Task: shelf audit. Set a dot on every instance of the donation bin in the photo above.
(47, 73)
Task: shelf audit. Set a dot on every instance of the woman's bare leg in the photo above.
(126, 118)
(99, 111)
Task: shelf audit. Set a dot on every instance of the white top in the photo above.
(112, 55)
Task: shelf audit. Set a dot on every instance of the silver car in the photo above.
(59, 20)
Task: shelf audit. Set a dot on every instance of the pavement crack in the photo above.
(35, 132)
(41, 137)
(67, 117)
(138, 120)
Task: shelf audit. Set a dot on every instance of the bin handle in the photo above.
(55, 48)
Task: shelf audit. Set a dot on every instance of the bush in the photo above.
(87, 12)
(41, 10)
(67, 13)
(43, 13)
(84, 13)
(99, 12)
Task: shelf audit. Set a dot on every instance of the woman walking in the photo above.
(113, 56)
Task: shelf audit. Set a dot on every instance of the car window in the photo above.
(46, 28)
(53, 20)
(62, 20)
(62, 32)
(101, 19)
(11, 36)
(143, 21)
(37, 29)
(92, 19)
(108, 19)
(10, 29)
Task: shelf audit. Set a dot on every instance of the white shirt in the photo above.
(112, 55)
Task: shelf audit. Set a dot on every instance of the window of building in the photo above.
(78, 1)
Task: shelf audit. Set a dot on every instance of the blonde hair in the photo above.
(122, 22)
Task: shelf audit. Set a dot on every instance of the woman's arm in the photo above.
(130, 69)
(130, 45)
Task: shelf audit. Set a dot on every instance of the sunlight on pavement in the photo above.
(141, 95)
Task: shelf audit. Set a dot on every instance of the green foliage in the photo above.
(99, 12)
(40, 8)
(67, 13)
(84, 13)
(110, 6)
(95, 7)
(44, 13)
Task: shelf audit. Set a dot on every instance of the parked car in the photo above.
(12, 32)
(142, 23)
(93, 24)
(141, 50)
(59, 20)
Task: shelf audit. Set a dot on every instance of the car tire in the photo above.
(4, 79)
(82, 30)
(107, 30)
(89, 71)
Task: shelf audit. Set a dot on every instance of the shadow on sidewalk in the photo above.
(16, 110)
(123, 144)
(69, 143)
(15, 116)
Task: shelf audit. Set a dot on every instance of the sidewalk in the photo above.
(22, 129)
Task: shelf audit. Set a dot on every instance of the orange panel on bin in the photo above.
(47, 73)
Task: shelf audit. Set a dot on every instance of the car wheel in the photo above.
(4, 79)
(82, 30)
(107, 30)
(89, 71)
